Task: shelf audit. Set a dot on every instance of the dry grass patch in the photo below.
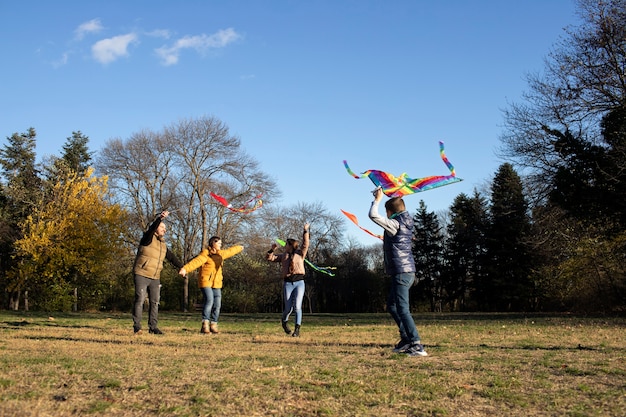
(92, 364)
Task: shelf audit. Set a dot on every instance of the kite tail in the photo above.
(445, 160)
(345, 164)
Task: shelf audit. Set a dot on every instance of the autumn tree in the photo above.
(71, 241)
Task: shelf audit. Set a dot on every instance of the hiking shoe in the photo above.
(401, 346)
(296, 332)
(416, 349)
(286, 327)
(155, 331)
(205, 327)
(213, 328)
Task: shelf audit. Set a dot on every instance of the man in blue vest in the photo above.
(400, 265)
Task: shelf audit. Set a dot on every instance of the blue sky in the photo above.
(304, 84)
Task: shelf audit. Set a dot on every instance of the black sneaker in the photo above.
(416, 349)
(155, 331)
(401, 346)
(286, 327)
(138, 331)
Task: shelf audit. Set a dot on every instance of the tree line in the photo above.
(549, 234)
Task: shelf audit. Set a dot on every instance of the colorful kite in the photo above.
(322, 269)
(404, 185)
(244, 209)
(356, 221)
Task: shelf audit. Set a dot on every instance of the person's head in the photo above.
(160, 230)
(215, 244)
(292, 245)
(394, 205)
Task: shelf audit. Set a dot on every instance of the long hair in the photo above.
(293, 243)
(212, 242)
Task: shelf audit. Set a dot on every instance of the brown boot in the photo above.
(205, 327)
(213, 327)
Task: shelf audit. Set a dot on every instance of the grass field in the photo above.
(342, 365)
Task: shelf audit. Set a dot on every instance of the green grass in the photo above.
(342, 365)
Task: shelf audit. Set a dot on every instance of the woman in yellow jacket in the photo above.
(210, 280)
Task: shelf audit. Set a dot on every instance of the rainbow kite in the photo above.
(404, 185)
(244, 209)
(322, 269)
(356, 221)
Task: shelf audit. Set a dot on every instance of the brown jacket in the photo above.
(287, 267)
(151, 253)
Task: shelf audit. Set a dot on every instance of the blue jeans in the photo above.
(152, 289)
(212, 303)
(399, 306)
(293, 293)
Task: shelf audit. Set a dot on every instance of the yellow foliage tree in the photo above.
(74, 239)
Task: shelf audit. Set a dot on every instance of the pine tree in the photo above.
(508, 285)
(428, 253)
(465, 249)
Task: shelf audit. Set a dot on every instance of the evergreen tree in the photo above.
(465, 249)
(20, 192)
(507, 286)
(21, 182)
(428, 242)
(76, 156)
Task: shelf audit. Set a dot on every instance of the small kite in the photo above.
(356, 221)
(322, 269)
(404, 185)
(244, 209)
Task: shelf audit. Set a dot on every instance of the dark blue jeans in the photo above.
(399, 306)
(152, 289)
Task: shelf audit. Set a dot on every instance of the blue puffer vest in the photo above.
(397, 248)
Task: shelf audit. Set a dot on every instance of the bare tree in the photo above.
(176, 170)
(141, 174)
(584, 79)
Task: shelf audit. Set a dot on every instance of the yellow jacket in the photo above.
(212, 265)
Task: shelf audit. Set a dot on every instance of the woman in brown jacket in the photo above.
(210, 280)
(292, 271)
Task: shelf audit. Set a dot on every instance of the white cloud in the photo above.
(170, 54)
(92, 26)
(108, 50)
(159, 33)
(62, 61)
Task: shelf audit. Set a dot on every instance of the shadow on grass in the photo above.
(26, 323)
(289, 341)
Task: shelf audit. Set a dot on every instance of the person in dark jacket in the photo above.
(151, 253)
(400, 265)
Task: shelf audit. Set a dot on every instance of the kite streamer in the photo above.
(403, 185)
(244, 209)
(322, 269)
(356, 221)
